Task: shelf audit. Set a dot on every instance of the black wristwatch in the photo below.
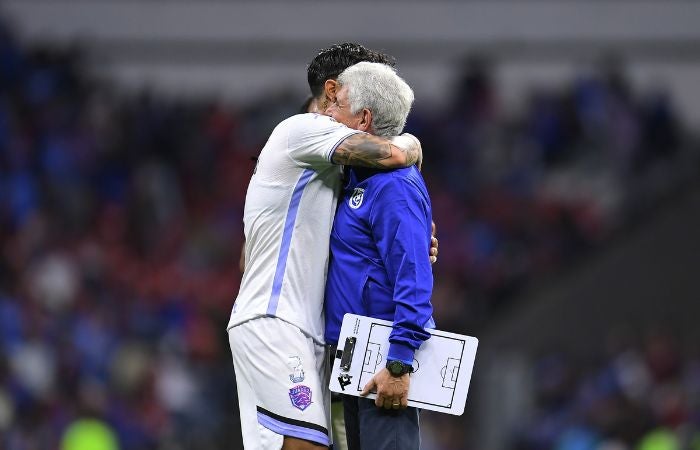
(398, 368)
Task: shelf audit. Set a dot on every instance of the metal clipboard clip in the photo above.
(345, 356)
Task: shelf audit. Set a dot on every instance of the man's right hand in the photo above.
(410, 144)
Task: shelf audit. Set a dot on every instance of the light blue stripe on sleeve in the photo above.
(287, 240)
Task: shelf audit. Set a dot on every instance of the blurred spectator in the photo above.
(89, 434)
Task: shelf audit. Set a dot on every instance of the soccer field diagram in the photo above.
(435, 373)
(442, 365)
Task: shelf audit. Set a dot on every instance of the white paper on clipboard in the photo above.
(443, 364)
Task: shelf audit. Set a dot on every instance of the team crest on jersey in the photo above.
(297, 375)
(356, 199)
(300, 396)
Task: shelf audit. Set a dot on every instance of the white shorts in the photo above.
(282, 380)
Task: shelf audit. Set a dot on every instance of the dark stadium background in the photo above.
(562, 157)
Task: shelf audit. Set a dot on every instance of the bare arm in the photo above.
(366, 150)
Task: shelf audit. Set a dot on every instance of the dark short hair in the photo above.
(332, 61)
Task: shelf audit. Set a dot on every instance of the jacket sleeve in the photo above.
(400, 222)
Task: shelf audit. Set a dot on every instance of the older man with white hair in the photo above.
(378, 268)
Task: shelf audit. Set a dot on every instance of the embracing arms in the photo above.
(367, 150)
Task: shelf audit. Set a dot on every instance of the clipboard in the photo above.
(442, 365)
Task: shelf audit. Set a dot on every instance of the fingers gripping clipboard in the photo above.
(442, 366)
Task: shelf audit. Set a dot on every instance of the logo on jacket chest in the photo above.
(356, 198)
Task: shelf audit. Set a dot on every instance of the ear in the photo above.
(330, 88)
(365, 120)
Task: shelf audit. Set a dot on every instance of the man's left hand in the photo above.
(392, 392)
(433, 245)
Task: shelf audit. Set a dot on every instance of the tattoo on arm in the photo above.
(413, 155)
(362, 150)
(366, 150)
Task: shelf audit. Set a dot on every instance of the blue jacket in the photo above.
(379, 265)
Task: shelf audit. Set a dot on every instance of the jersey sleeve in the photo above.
(401, 222)
(312, 138)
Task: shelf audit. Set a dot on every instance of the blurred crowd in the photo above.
(520, 195)
(641, 396)
(120, 231)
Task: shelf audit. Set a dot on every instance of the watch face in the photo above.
(396, 368)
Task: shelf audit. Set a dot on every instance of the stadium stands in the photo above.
(120, 230)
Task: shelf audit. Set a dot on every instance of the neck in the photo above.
(315, 105)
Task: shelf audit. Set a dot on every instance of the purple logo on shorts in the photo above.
(300, 396)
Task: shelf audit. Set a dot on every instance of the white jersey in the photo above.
(289, 210)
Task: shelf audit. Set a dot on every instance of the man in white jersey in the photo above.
(276, 326)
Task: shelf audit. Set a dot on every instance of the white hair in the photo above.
(377, 87)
